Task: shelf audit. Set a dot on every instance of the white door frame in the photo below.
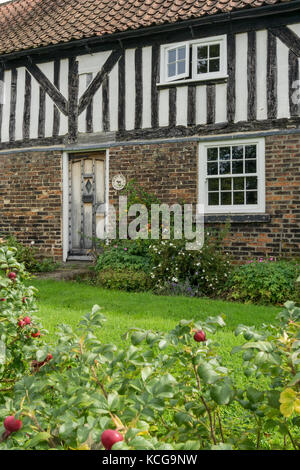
(65, 194)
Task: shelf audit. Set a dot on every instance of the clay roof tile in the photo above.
(26, 24)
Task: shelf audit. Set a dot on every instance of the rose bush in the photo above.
(160, 391)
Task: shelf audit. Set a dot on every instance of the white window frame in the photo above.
(260, 173)
(221, 40)
(164, 79)
(164, 62)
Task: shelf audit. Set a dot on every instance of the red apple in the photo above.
(36, 334)
(200, 336)
(27, 320)
(2, 300)
(110, 437)
(12, 276)
(49, 357)
(12, 424)
(24, 300)
(21, 323)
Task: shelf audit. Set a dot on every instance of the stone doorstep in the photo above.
(67, 271)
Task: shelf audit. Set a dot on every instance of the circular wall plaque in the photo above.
(119, 182)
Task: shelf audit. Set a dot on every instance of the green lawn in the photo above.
(67, 302)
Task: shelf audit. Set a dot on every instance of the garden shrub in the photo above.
(16, 304)
(163, 391)
(265, 281)
(172, 269)
(129, 280)
(205, 271)
(29, 257)
(125, 254)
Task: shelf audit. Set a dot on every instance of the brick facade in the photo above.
(167, 170)
(31, 193)
(31, 199)
(170, 171)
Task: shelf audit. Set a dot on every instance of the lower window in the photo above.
(232, 176)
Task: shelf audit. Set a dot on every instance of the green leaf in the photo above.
(182, 418)
(83, 434)
(273, 398)
(190, 445)
(40, 437)
(140, 443)
(137, 337)
(207, 374)
(295, 380)
(146, 372)
(222, 394)
(162, 344)
(253, 395)
(264, 346)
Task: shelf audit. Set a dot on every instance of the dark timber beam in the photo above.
(288, 37)
(48, 87)
(73, 85)
(88, 95)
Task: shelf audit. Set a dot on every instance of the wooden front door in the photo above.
(87, 202)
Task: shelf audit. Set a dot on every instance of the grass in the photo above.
(66, 302)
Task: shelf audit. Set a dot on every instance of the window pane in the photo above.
(225, 153)
(202, 52)
(250, 151)
(202, 66)
(224, 168)
(212, 154)
(213, 199)
(212, 168)
(250, 166)
(181, 53)
(237, 167)
(181, 67)
(172, 70)
(213, 184)
(228, 189)
(251, 197)
(214, 50)
(225, 199)
(251, 183)
(239, 198)
(214, 65)
(226, 184)
(237, 153)
(238, 183)
(172, 56)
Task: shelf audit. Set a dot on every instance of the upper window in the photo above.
(177, 62)
(208, 60)
(231, 177)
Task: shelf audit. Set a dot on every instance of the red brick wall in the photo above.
(170, 171)
(31, 199)
(282, 235)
